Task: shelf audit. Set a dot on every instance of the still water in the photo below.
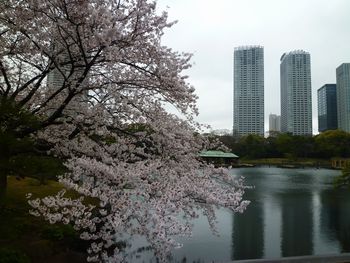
(293, 212)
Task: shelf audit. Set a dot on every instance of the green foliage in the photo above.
(58, 232)
(343, 180)
(284, 143)
(21, 231)
(139, 127)
(106, 139)
(40, 167)
(52, 233)
(333, 143)
(20, 154)
(252, 146)
(15, 221)
(14, 119)
(228, 141)
(8, 255)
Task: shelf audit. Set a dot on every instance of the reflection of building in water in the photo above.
(272, 228)
(297, 224)
(303, 215)
(248, 231)
(335, 216)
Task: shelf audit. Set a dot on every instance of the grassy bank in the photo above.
(299, 162)
(25, 238)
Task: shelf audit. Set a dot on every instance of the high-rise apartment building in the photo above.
(327, 107)
(343, 96)
(248, 95)
(61, 72)
(274, 123)
(62, 75)
(296, 105)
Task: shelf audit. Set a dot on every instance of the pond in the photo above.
(293, 212)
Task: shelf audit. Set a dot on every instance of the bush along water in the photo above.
(343, 180)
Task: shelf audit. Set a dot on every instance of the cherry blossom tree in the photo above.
(95, 77)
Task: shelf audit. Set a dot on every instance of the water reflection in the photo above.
(248, 231)
(273, 223)
(297, 211)
(293, 212)
(297, 223)
(335, 217)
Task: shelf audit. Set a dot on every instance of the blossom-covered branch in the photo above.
(96, 77)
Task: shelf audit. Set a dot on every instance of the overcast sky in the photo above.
(211, 29)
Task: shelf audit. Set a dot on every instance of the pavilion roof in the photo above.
(218, 154)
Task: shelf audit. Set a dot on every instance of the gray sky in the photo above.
(211, 29)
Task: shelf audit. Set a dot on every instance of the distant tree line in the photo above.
(333, 143)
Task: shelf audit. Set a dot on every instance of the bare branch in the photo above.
(4, 73)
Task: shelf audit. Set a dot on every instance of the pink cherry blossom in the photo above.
(98, 78)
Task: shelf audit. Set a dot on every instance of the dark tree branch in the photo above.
(58, 112)
(80, 44)
(32, 92)
(24, 86)
(4, 73)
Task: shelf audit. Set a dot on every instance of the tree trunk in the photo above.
(3, 186)
(3, 178)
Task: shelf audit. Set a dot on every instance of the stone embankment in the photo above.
(333, 258)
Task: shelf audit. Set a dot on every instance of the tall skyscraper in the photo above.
(62, 75)
(343, 96)
(327, 107)
(248, 95)
(296, 108)
(274, 122)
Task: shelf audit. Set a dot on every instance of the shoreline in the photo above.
(285, 163)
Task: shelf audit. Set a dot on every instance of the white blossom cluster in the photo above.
(106, 118)
(142, 189)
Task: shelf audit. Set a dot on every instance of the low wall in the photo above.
(332, 258)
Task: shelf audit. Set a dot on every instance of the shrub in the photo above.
(343, 179)
(13, 256)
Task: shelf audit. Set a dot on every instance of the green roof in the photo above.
(218, 154)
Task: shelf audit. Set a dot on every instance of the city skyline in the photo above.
(212, 34)
(296, 101)
(327, 107)
(248, 90)
(343, 96)
(274, 123)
